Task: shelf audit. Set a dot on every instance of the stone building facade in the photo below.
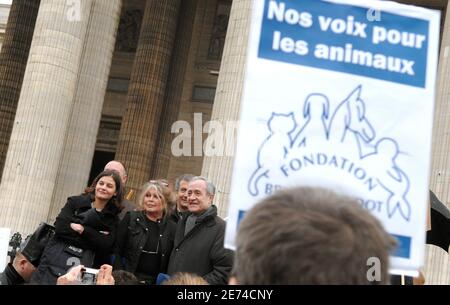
(4, 12)
(106, 79)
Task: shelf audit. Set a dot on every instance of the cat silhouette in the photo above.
(274, 148)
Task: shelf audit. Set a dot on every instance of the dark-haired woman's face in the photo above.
(105, 188)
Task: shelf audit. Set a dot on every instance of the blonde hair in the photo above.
(162, 191)
(184, 278)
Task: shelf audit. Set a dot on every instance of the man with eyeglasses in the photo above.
(199, 239)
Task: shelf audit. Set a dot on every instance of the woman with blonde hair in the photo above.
(145, 237)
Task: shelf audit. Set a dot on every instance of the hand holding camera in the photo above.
(89, 276)
(72, 277)
(104, 276)
(80, 275)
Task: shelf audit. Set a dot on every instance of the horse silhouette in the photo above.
(350, 116)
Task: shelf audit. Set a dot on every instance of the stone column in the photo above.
(436, 270)
(79, 147)
(174, 90)
(43, 114)
(139, 130)
(13, 61)
(228, 97)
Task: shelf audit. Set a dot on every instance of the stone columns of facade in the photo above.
(174, 90)
(437, 269)
(13, 61)
(79, 147)
(43, 115)
(228, 97)
(139, 130)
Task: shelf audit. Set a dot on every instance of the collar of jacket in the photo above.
(110, 208)
(12, 276)
(141, 219)
(207, 217)
(211, 212)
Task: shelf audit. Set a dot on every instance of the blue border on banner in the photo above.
(340, 37)
(241, 215)
(404, 246)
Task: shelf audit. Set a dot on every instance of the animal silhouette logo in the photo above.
(293, 146)
(280, 127)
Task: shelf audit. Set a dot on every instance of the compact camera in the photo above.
(89, 276)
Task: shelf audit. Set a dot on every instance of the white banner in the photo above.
(4, 245)
(340, 94)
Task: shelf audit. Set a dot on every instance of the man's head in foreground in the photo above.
(310, 236)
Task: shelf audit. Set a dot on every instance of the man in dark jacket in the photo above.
(199, 240)
(17, 273)
(24, 263)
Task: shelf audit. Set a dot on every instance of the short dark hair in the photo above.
(122, 277)
(309, 236)
(184, 177)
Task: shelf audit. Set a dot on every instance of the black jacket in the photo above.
(91, 248)
(175, 216)
(128, 206)
(202, 250)
(132, 236)
(10, 276)
(99, 228)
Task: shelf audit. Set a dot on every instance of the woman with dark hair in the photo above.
(145, 237)
(85, 229)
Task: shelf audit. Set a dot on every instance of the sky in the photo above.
(5, 1)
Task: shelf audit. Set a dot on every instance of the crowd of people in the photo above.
(296, 236)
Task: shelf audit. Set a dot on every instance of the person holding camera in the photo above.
(79, 275)
(145, 237)
(85, 230)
